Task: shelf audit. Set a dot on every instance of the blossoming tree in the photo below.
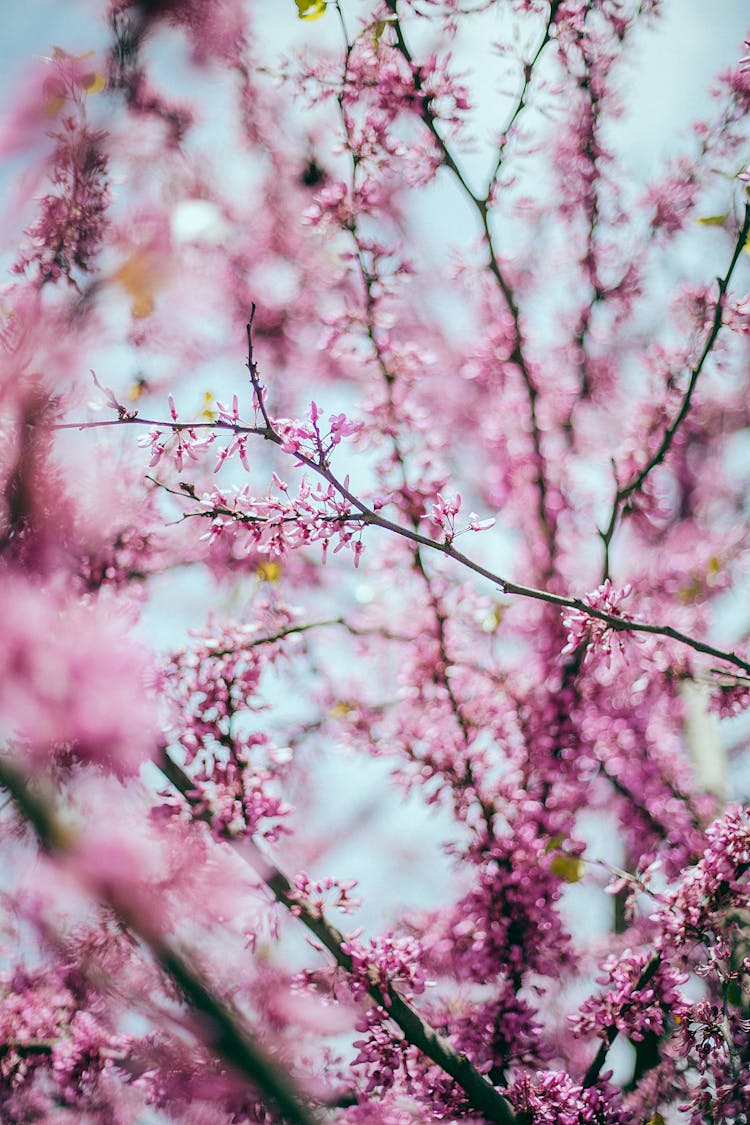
(298, 484)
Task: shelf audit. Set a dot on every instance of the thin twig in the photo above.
(370, 517)
(528, 73)
(624, 492)
(518, 352)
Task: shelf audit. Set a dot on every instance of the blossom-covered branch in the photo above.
(478, 296)
(363, 515)
(626, 490)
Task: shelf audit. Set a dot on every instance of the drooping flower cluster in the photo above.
(68, 234)
(638, 1001)
(583, 629)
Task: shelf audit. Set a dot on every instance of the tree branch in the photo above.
(518, 355)
(627, 490)
(480, 1093)
(369, 516)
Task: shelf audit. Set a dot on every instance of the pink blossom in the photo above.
(596, 634)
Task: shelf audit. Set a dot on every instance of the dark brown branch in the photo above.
(626, 491)
(518, 354)
(135, 420)
(481, 1094)
(252, 367)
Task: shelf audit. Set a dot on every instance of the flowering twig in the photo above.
(368, 516)
(518, 352)
(528, 73)
(369, 279)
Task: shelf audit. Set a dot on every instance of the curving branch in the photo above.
(625, 491)
(528, 73)
(368, 280)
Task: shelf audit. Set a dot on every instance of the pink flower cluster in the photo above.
(52, 1025)
(635, 1011)
(282, 523)
(213, 688)
(308, 441)
(715, 888)
(321, 894)
(67, 236)
(385, 961)
(554, 1098)
(596, 635)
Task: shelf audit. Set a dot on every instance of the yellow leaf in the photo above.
(60, 54)
(712, 220)
(268, 571)
(340, 710)
(136, 390)
(55, 96)
(310, 9)
(94, 83)
(496, 617)
(208, 412)
(657, 1119)
(686, 595)
(379, 27)
(746, 247)
(53, 106)
(568, 867)
(138, 276)
(142, 306)
(554, 843)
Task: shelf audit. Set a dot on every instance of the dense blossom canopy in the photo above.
(374, 660)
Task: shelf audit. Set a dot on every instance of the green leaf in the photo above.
(568, 867)
(378, 28)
